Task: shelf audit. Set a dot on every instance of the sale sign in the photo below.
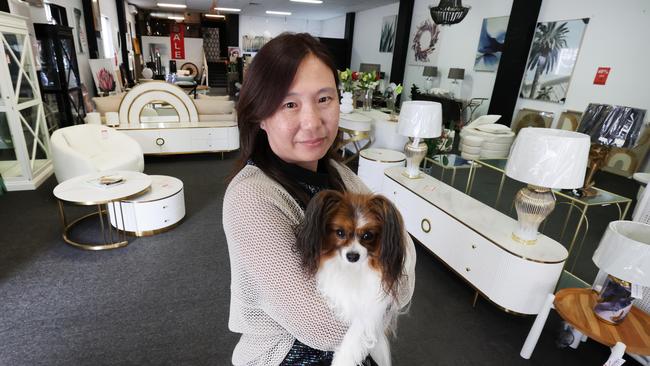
(601, 75)
(177, 37)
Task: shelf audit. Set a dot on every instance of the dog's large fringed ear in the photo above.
(393, 243)
(313, 229)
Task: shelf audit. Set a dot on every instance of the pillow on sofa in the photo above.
(110, 103)
(214, 97)
(210, 106)
(494, 128)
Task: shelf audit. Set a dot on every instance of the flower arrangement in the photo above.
(347, 79)
(368, 80)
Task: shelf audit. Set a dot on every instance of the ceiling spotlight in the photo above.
(215, 16)
(307, 1)
(272, 12)
(176, 18)
(227, 9)
(168, 5)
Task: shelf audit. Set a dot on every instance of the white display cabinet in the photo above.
(24, 139)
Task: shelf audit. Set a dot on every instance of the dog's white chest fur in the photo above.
(354, 292)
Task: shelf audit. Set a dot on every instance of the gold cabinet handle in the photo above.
(425, 225)
(160, 141)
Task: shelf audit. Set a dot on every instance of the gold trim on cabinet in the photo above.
(157, 199)
(92, 203)
(152, 232)
(486, 238)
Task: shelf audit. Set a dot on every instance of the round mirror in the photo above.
(158, 111)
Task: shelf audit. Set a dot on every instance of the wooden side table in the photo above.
(575, 307)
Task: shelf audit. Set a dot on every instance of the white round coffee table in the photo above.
(158, 210)
(86, 191)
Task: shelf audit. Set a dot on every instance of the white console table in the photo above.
(475, 241)
(184, 137)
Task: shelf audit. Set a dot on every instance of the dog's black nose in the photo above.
(352, 256)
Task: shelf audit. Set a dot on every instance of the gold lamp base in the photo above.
(533, 205)
(415, 152)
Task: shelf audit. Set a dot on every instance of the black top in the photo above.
(312, 182)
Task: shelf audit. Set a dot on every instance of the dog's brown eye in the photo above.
(367, 236)
(340, 233)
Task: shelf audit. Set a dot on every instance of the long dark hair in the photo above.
(266, 84)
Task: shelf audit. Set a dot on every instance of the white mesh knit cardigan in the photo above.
(272, 302)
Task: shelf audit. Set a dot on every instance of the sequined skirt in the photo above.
(302, 355)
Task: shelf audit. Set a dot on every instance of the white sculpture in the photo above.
(346, 102)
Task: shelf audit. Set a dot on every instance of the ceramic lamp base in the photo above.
(533, 205)
(414, 155)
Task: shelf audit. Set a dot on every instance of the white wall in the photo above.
(456, 47)
(193, 51)
(333, 27)
(272, 26)
(365, 42)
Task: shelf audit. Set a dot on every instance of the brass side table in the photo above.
(354, 129)
(446, 162)
(81, 191)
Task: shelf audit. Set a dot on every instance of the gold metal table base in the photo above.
(354, 138)
(110, 241)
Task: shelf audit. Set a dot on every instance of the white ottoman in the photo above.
(154, 212)
(373, 162)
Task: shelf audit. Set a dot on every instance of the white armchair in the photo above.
(83, 149)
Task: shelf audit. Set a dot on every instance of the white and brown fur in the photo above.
(354, 244)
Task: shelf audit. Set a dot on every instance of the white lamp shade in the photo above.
(420, 119)
(549, 158)
(624, 252)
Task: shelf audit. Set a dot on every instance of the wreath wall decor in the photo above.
(422, 54)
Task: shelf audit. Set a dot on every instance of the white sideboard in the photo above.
(476, 241)
(184, 137)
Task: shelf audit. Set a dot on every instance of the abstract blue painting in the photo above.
(490, 44)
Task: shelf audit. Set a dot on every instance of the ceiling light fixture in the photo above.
(176, 18)
(448, 12)
(215, 16)
(307, 1)
(168, 5)
(273, 12)
(228, 9)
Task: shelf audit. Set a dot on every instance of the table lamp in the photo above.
(418, 119)
(429, 73)
(456, 74)
(624, 254)
(544, 158)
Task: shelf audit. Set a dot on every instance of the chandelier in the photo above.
(448, 12)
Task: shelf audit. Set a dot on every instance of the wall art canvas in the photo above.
(551, 59)
(423, 43)
(252, 43)
(387, 38)
(490, 44)
(104, 76)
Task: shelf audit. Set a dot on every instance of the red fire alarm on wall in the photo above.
(601, 75)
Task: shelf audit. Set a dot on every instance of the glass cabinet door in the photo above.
(23, 111)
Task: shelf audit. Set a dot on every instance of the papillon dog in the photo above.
(355, 247)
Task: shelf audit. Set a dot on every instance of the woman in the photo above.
(288, 117)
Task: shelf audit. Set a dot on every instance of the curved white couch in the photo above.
(83, 149)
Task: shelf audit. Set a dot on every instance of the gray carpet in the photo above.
(163, 300)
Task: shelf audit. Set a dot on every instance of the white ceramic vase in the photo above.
(346, 103)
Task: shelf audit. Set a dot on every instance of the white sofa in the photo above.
(484, 139)
(83, 149)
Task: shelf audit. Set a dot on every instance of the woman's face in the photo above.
(305, 125)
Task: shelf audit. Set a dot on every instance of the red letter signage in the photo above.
(177, 37)
(601, 75)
